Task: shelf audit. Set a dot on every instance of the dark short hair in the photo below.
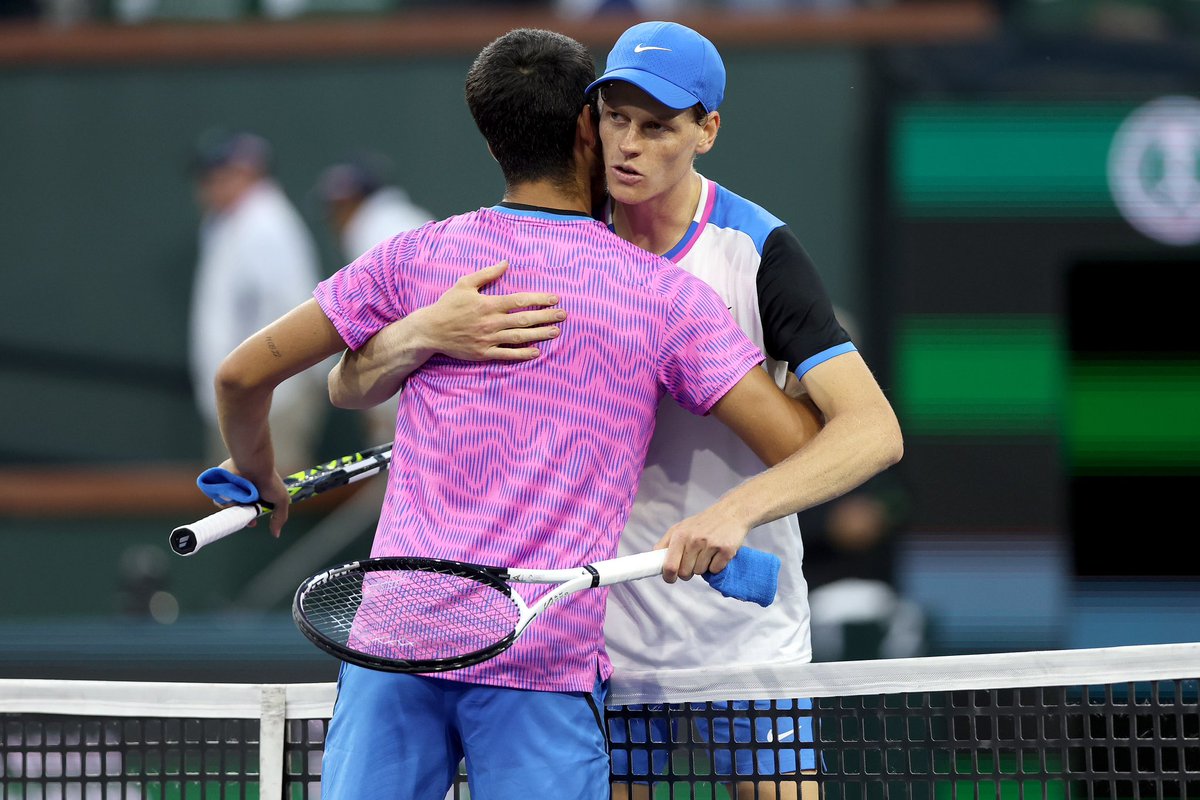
(525, 91)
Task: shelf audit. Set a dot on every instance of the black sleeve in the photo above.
(797, 314)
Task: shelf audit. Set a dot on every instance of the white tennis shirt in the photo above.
(758, 268)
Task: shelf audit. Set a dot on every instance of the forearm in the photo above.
(246, 381)
(804, 422)
(463, 323)
(242, 412)
(377, 370)
(847, 452)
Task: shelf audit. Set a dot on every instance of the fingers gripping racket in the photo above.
(430, 615)
(187, 539)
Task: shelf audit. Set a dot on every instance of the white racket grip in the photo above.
(630, 568)
(187, 539)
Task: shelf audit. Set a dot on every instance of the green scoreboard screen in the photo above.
(1046, 350)
(1131, 421)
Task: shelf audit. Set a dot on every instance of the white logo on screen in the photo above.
(1154, 170)
(641, 48)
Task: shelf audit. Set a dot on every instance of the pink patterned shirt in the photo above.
(536, 464)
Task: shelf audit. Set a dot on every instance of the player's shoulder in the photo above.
(672, 282)
(637, 265)
(657, 278)
(433, 227)
(732, 211)
(429, 236)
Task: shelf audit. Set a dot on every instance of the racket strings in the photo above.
(411, 615)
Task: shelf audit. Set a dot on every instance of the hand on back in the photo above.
(469, 325)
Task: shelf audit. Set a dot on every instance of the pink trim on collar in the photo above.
(708, 197)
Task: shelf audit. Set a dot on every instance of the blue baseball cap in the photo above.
(671, 62)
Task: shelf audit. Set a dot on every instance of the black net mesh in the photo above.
(1117, 741)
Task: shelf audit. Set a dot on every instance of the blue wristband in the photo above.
(752, 575)
(224, 487)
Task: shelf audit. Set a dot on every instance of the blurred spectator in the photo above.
(257, 261)
(854, 536)
(849, 563)
(364, 207)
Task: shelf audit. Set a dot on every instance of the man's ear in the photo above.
(587, 127)
(711, 127)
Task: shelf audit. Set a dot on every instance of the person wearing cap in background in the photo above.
(658, 102)
(257, 260)
(363, 207)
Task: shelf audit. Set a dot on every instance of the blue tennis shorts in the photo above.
(398, 736)
(739, 737)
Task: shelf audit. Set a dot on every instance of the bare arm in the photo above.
(464, 323)
(860, 438)
(246, 382)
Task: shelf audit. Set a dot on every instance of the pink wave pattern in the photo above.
(536, 464)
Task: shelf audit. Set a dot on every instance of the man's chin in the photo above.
(625, 195)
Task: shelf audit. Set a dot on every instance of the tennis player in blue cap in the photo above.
(658, 102)
(658, 105)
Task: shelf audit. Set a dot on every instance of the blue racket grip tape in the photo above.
(752, 575)
(223, 487)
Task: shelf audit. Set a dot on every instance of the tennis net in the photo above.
(1063, 725)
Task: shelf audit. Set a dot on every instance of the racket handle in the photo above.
(752, 575)
(187, 539)
(630, 568)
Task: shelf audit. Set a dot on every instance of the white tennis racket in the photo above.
(187, 539)
(431, 615)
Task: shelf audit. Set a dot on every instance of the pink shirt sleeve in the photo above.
(704, 352)
(365, 296)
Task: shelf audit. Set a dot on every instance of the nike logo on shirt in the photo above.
(641, 48)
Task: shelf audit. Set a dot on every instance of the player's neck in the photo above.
(549, 194)
(658, 224)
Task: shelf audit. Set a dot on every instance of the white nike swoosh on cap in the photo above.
(641, 48)
(782, 735)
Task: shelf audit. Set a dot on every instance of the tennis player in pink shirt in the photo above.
(532, 464)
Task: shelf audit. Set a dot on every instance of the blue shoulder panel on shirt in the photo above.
(731, 210)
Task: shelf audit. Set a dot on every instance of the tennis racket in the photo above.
(403, 614)
(187, 539)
